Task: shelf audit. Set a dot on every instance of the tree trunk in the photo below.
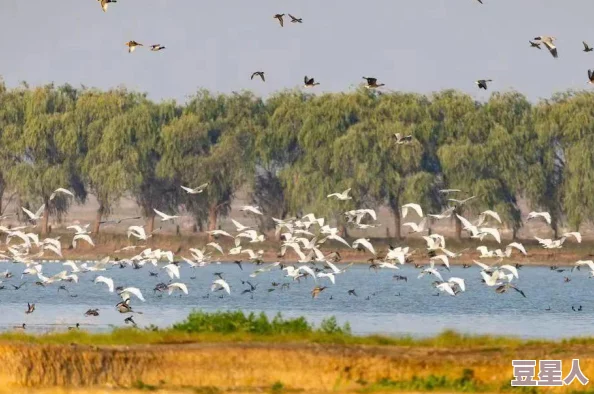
(212, 219)
(45, 220)
(458, 228)
(395, 207)
(98, 217)
(555, 228)
(150, 222)
(397, 224)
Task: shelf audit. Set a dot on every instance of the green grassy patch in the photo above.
(464, 383)
(236, 326)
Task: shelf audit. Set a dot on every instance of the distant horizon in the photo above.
(419, 47)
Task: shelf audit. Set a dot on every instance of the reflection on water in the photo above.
(383, 305)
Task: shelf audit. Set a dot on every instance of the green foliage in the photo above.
(330, 326)
(465, 383)
(294, 149)
(238, 322)
(140, 385)
(277, 388)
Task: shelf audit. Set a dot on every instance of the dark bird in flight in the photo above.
(157, 47)
(309, 82)
(259, 74)
(503, 288)
(280, 19)
(352, 292)
(129, 320)
(92, 312)
(30, 308)
(372, 83)
(238, 262)
(482, 83)
(548, 42)
(534, 44)
(587, 48)
(317, 290)
(295, 20)
(105, 4)
(124, 307)
(132, 45)
(480, 1)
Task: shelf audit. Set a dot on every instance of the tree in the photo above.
(561, 161)
(107, 163)
(141, 130)
(277, 148)
(212, 142)
(45, 150)
(485, 159)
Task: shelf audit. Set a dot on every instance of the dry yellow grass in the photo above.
(210, 367)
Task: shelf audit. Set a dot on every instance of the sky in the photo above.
(410, 45)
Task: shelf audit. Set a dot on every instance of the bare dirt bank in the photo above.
(108, 243)
(277, 367)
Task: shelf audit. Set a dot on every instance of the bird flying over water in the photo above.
(259, 74)
(280, 18)
(132, 45)
(105, 4)
(341, 196)
(164, 216)
(196, 190)
(372, 83)
(545, 215)
(34, 216)
(482, 83)
(548, 42)
(309, 82)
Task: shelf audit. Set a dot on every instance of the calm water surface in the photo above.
(383, 305)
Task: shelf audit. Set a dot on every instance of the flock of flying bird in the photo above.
(301, 241)
(309, 82)
(302, 237)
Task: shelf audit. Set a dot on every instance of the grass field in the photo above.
(233, 352)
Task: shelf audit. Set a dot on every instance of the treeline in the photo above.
(294, 148)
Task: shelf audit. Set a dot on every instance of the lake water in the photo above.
(383, 305)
